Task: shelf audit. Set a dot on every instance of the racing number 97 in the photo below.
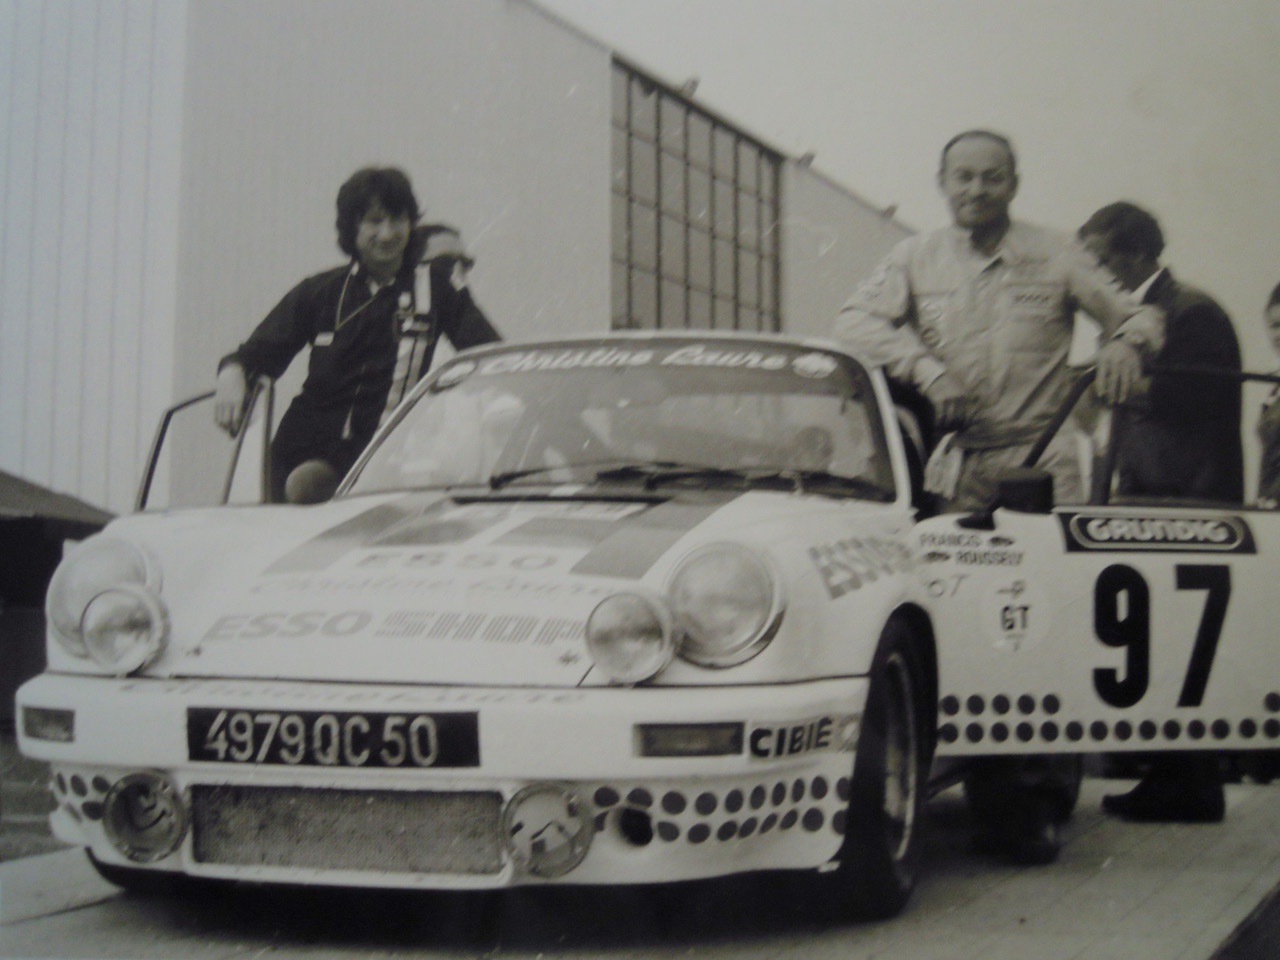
(1122, 619)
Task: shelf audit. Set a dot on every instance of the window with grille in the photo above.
(695, 213)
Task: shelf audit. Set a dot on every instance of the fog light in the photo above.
(44, 723)
(549, 829)
(144, 817)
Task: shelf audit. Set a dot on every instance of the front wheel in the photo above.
(881, 854)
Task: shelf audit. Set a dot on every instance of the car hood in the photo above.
(415, 587)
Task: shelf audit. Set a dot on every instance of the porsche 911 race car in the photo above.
(634, 608)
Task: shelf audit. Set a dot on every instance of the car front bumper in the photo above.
(635, 785)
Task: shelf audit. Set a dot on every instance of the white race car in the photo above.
(622, 609)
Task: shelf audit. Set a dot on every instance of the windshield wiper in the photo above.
(654, 472)
(800, 481)
(621, 466)
(806, 480)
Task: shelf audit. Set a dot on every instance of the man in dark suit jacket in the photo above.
(1180, 440)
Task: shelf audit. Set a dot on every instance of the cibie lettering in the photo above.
(1157, 530)
(789, 740)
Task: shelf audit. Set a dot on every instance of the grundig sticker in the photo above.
(1157, 532)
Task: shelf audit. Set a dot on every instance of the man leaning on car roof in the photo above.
(979, 316)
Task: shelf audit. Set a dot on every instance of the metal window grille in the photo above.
(695, 215)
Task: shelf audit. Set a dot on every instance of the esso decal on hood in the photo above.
(438, 625)
(423, 533)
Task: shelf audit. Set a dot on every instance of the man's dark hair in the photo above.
(1127, 229)
(997, 138)
(1274, 298)
(387, 185)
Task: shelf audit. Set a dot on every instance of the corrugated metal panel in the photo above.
(90, 93)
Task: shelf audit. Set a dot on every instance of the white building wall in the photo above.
(168, 171)
(90, 96)
(831, 242)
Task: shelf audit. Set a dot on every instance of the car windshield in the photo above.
(640, 413)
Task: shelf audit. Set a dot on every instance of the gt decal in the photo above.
(1015, 615)
(1122, 619)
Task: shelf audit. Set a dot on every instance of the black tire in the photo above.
(881, 854)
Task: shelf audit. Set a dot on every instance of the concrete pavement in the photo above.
(1120, 892)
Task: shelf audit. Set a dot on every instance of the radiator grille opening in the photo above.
(395, 831)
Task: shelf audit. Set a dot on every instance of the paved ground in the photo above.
(1120, 892)
(24, 804)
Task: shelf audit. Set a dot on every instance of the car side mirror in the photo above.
(1026, 490)
(1023, 489)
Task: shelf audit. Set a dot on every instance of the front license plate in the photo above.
(315, 738)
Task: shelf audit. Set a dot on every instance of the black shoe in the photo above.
(1169, 801)
(1036, 843)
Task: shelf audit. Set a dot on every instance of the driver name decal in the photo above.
(1189, 533)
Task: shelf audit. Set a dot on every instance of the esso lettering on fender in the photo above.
(775, 741)
(302, 623)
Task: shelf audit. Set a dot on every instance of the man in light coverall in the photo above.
(979, 317)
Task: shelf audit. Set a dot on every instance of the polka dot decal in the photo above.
(1024, 719)
(811, 804)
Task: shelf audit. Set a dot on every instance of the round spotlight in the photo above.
(548, 829)
(144, 817)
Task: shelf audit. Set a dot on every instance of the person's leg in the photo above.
(1183, 787)
(1019, 802)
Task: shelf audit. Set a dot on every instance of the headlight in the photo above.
(96, 566)
(630, 637)
(124, 628)
(726, 602)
